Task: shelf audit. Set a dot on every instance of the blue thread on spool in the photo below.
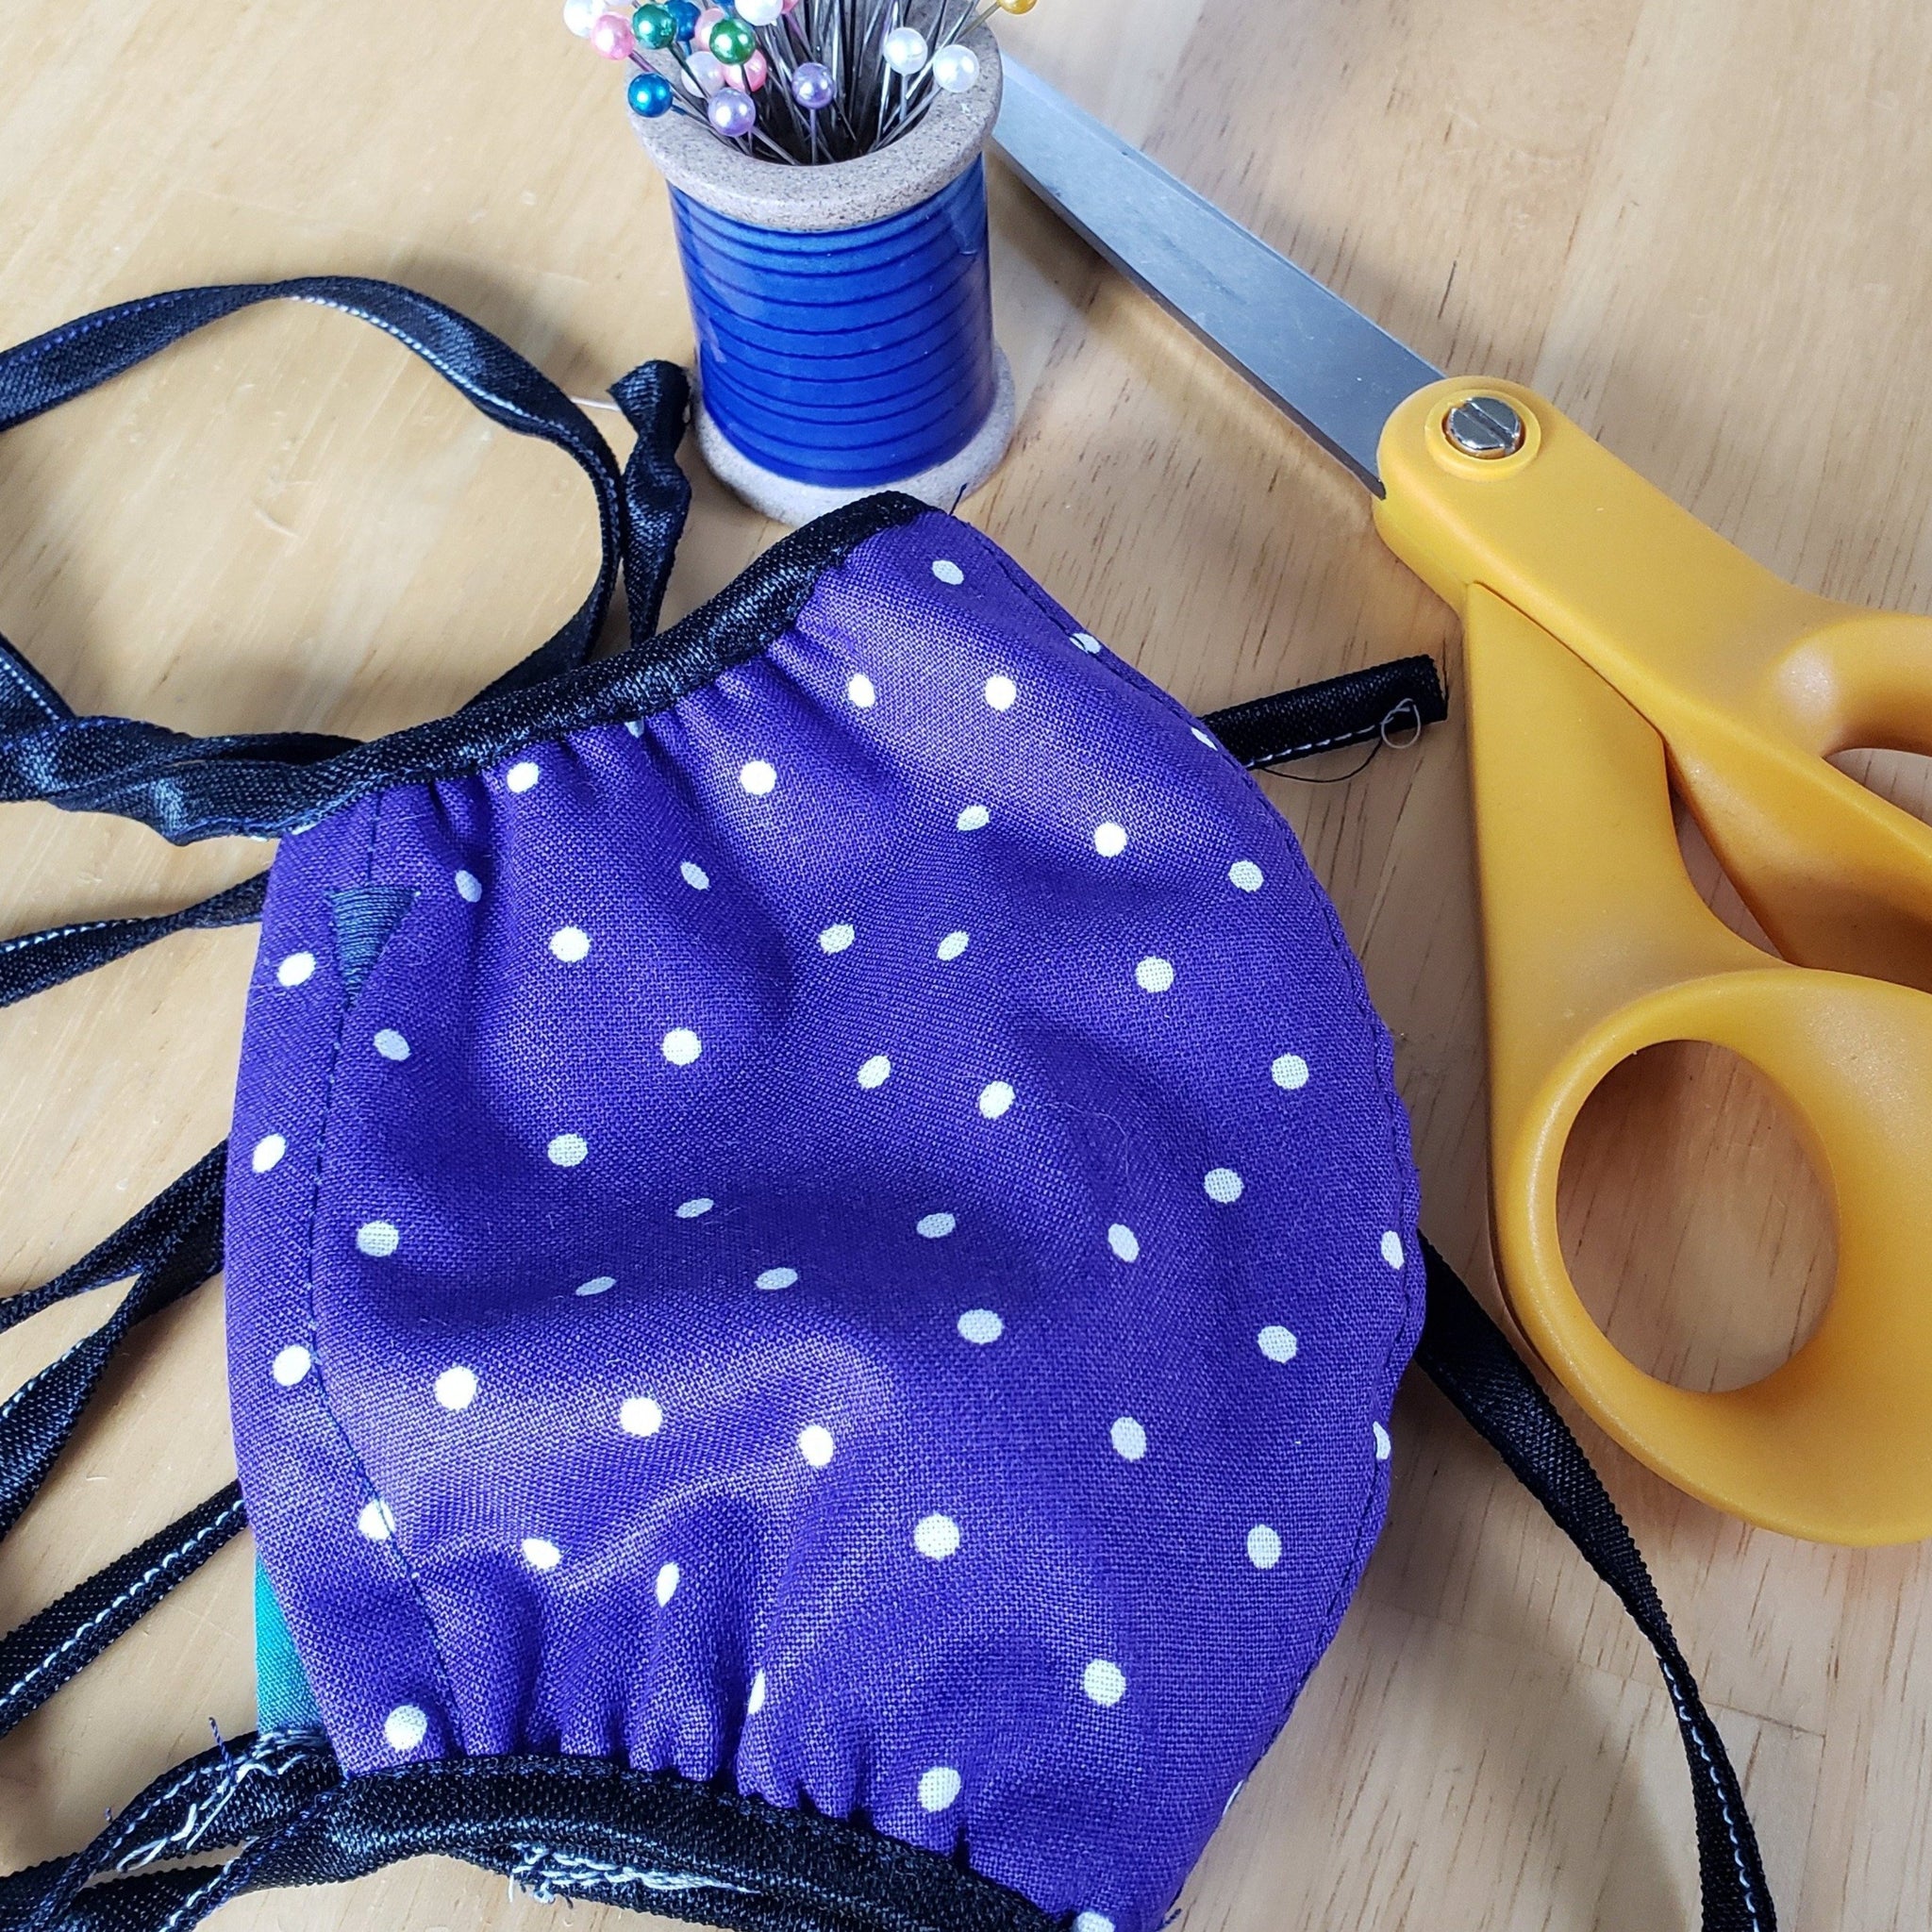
(849, 358)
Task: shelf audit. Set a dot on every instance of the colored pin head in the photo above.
(955, 68)
(580, 16)
(760, 12)
(731, 113)
(652, 26)
(811, 85)
(611, 37)
(904, 49)
(684, 16)
(649, 95)
(732, 42)
(707, 70)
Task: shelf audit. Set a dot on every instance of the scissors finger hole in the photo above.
(1903, 778)
(1697, 1231)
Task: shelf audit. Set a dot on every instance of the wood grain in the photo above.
(1699, 226)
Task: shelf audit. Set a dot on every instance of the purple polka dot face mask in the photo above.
(844, 1238)
(818, 1245)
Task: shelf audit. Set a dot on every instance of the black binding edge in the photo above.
(571, 1827)
(280, 792)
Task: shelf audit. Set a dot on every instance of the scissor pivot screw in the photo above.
(1484, 426)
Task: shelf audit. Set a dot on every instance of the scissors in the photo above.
(1615, 649)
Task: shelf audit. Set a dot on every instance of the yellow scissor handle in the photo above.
(1612, 644)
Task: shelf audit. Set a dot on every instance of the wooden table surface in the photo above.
(1700, 225)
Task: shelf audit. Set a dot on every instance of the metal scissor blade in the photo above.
(1327, 365)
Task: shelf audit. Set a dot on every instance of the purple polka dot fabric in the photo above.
(853, 1236)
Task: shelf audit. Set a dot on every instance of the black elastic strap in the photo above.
(1469, 1358)
(55, 1643)
(1350, 710)
(172, 1246)
(270, 782)
(37, 960)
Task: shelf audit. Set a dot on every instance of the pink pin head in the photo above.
(612, 38)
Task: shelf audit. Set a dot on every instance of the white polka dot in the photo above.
(377, 1239)
(568, 1150)
(995, 1099)
(953, 945)
(1245, 873)
(756, 1702)
(860, 689)
(938, 1787)
(936, 1536)
(570, 943)
(668, 1580)
(456, 1388)
(695, 876)
(834, 939)
(1289, 1070)
(598, 1284)
(775, 1279)
(1104, 1682)
(391, 1044)
(1087, 642)
(468, 886)
(947, 570)
(539, 1553)
(1206, 738)
(1092, 1922)
(1001, 692)
(690, 1210)
(268, 1150)
(1264, 1547)
(815, 1444)
(521, 774)
(1109, 839)
(981, 1326)
(1223, 1184)
(875, 1072)
(408, 1725)
(1276, 1342)
(1123, 1241)
(973, 819)
(1382, 1443)
(291, 1364)
(635, 726)
(682, 1046)
(935, 1228)
(1154, 975)
(639, 1415)
(295, 968)
(1391, 1248)
(377, 1521)
(1129, 1438)
(757, 778)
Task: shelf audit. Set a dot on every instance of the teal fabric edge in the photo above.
(283, 1701)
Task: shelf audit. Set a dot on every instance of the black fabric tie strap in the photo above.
(1469, 1358)
(172, 1246)
(1350, 710)
(272, 782)
(37, 960)
(58, 1642)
